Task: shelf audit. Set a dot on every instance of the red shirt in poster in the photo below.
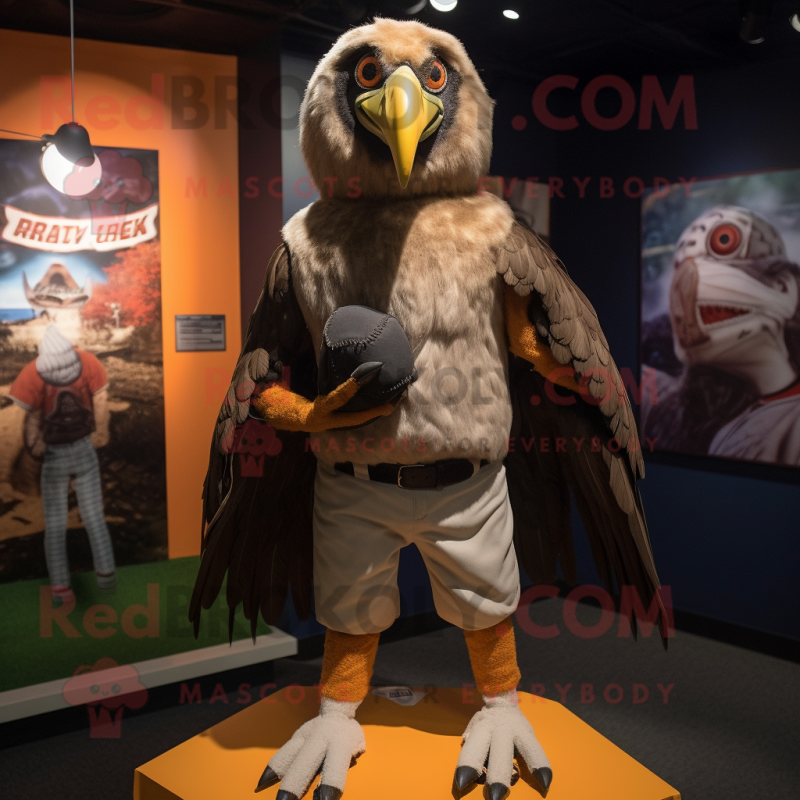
(34, 394)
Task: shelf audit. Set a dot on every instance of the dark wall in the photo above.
(260, 213)
(725, 535)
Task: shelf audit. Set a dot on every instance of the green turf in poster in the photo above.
(27, 657)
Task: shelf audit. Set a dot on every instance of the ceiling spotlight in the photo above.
(511, 14)
(795, 22)
(405, 7)
(752, 30)
(755, 20)
(444, 5)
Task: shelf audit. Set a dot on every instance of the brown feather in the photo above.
(569, 323)
(254, 527)
(604, 482)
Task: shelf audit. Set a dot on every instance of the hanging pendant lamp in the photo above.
(68, 161)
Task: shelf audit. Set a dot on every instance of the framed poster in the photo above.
(720, 319)
(82, 470)
(86, 581)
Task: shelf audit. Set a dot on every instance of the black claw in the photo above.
(365, 372)
(325, 792)
(465, 776)
(284, 795)
(497, 791)
(464, 780)
(544, 775)
(269, 778)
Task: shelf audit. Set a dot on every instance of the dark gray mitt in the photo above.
(358, 335)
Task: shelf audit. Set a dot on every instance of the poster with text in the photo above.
(82, 455)
(720, 319)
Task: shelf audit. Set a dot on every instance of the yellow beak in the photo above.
(402, 114)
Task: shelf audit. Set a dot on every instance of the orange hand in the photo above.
(288, 411)
(525, 343)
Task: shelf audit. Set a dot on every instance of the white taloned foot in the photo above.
(495, 736)
(330, 743)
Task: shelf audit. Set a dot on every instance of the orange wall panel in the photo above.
(115, 84)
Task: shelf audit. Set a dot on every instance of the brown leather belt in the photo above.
(435, 475)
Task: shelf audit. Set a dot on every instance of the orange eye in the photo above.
(437, 77)
(368, 72)
(724, 239)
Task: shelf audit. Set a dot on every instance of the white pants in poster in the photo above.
(78, 462)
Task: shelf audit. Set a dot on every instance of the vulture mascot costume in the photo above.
(395, 128)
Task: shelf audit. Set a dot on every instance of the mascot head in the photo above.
(396, 109)
(732, 290)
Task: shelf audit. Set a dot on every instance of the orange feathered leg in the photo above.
(493, 656)
(499, 727)
(347, 665)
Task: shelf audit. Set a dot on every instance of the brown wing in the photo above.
(538, 488)
(603, 481)
(258, 491)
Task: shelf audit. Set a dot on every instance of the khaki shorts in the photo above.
(464, 533)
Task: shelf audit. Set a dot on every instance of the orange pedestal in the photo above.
(411, 753)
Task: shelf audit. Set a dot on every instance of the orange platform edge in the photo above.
(411, 752)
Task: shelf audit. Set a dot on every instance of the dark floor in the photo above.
(728, 730)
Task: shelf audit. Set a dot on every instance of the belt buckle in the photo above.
(400, 473)
(436, 466)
